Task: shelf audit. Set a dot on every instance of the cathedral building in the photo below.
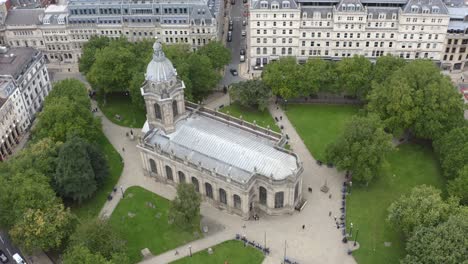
(235, 165)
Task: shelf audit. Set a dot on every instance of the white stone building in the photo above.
(334, 29)
(233, 164)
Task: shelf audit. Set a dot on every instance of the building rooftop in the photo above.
(24, 16)
(225, 149)
(15, 60)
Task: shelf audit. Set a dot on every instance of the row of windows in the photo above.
(275, 24)
(275, 16)
(283, 40)
(460, 57)
(454, 50)
(126, 11)
(455, 41)
(56, 38)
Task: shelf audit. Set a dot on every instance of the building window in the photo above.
(169, 173)
(279, 200)
(209, 190)
(157, 111)
(262, 195)
(222, 196)
(181, 177)
(153, 166)
(195, 184)
(175, 111)
(237, 201)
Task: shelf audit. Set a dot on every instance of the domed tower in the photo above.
(163, 92)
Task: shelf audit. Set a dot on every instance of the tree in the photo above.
(62, 117)
(317, 75)
(99, 237)
(458, 187)
(202, 76)
(90, 48)
(361, 148)
(82, 255)
(185, 208)
(43, 229)
(354, 76)
(283, 76)
(445, 243)
(217, 53)
(417, 97)
(251, 93)
(385, 66)
(423, 207)
(74, 177)
(72, 89)
(98, 163)
(452, 149)
(21, 192)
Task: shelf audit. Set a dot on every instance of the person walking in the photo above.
(303, 227)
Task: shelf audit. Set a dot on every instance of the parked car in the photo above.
(244, 23)
(242, 58)
(229, 38)
(233, 2)
(242, 51)
(233, 72)
(231, 26)
(3, 257)
(18, 259)
(243, 33)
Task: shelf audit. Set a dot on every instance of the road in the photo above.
(7, 247)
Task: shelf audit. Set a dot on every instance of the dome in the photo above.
(160, 68)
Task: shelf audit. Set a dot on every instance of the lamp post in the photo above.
(357, 233)
(121, 189)
(190, 250)
(351, 230)
(350, 185)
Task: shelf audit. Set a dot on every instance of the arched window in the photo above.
(175, 111)
(296, 192)
(209, 190)
(181, 177)
(196, 184)
(279, 200)
(157, 111)
(169, 173)
(263, 195)
(153, 166)
(222, 196)
(237, 201)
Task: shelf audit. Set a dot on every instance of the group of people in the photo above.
(94, 110)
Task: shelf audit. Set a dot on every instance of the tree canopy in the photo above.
(458, 187)
(361, 148)
(251, 93)
(452, 149)
(90, 48)
(283, 77)
(82, 255)
(354, 76)
(185, 208)
(217, 53)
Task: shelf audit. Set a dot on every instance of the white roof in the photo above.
(56, 8)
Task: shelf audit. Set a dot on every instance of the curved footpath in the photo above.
(320, 242)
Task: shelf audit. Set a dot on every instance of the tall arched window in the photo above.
(175, 111)
(169, 173)
(296, 192)
(153, 166)
(263, 195)
(196, 184)
(222, 196)
(279, 200)
(209, 190)
(181, 177)
(157, 111)
(237, 201)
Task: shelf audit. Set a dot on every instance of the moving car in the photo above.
(18, 259)
(243, 33)
(233, 72)
(231, 25)
(244, 23)
(242, 58)
(3, 257)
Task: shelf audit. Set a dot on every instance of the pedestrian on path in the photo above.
(303, 227)
(329, 196)
(329, 214)
(335, 218)
(123, 149)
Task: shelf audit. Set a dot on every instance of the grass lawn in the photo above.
(121, 104)
(263, 119)
(409, 166)
(91, 207)
(319, 125)
(232, 252)
(149, 227)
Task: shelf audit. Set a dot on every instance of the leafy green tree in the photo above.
(283, 76)
(202, 76)
(417, 97)
(134, 88)
(99, 237)
(74, 177)
(90, 48)
(361, 148)
(423, 207)
(458, 187)
(62, 117)
(185, 208)
(22, 191)
(217, 53)
(385, 66)
(98, 163)
(43, 229)
(82, 255)
(72, 89)
(452, 149)
(317, 75)
(354, 76)
(445, 243)
(251, 93)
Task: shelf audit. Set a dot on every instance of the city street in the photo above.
(7, 247)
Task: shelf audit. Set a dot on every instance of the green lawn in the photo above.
(149, 227)
(91, 207)
(232, 252)
(121, 104)
(319, 125)
(409, 166)
(263, 119)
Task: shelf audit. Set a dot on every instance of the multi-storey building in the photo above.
(10, 130)
(334, 29)
(455, 55)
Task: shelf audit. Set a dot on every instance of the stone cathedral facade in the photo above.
(235, 165)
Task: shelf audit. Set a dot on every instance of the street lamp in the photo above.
(355, 240)
(351, 230)
(350, 185)
(190, 250)
(121, 189)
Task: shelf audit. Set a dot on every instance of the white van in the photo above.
(18, 259)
